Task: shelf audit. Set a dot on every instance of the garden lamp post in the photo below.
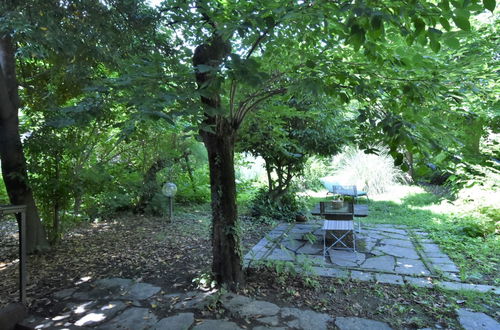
(169, 189)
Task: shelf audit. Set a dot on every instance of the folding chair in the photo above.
(338, 229)
(350, 191)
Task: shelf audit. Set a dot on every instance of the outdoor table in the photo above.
(329, 213)
(19, 209)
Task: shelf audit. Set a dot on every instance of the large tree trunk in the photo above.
(219, 139)
(226, 265)
(11, 151)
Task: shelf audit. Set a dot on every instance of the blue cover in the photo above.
(329, 182)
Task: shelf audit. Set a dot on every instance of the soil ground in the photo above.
(175, 255)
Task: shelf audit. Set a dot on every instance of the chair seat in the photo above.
(338, 225)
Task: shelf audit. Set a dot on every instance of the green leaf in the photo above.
(344, 97)
(435, 45)
(310, 64)
(419, 25)
(357, 37)
(452, 42)
(445, 5)
(444, 22)
(461, 20)
(489, 4)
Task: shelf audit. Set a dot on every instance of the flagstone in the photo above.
(398, 242)
(386, 263)
(346, 258)
(411, 266)
(397, 251)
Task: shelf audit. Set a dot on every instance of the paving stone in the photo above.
(102, 314)
(234, 302)
(451, 268)
(104, 289)
(437, 254)
(395, 236)
(440, 260)
(301, 230)
(346, 258)
(64, 294)
(282, 227)
(269, 320)
(141, 291)
(451, 277)
(133, 319)
(377, 252)
(356, 323)
(394, 231)
(330, 272)
(192, 300)
(476, 321)
(292, 244)
(81, 308)
(112, 283)
(361, 276)
(425, 240)
(279, 254)
(468, 286)
(411, 267)
(419, 281)
(180, 321)
(309, 259)
(369, 245)
(389, 278)
(431, 248)
(397, 251)
(307, 319)
(386, 263)
(216, 324)
(309, 248)
(257, 307)
(398, 242)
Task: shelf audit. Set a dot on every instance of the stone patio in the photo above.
(393, 254)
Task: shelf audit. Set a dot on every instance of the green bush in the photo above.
(286, 208)
(314, 169)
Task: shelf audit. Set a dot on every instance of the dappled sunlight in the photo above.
(90, 318)
(82, 308)
(83, 280)
(6, 265)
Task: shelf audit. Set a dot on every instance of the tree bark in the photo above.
(14, 170)
(219, 139)
(227, 260)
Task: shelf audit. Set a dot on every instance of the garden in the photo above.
(249, 109)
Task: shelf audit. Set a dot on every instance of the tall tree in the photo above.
(11, 151)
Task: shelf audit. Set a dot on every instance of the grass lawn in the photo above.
(458, 228)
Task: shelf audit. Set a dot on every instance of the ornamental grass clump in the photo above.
(372, 173)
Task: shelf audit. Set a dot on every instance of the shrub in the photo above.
(370, 172)
(314, 169)
(285, 208)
